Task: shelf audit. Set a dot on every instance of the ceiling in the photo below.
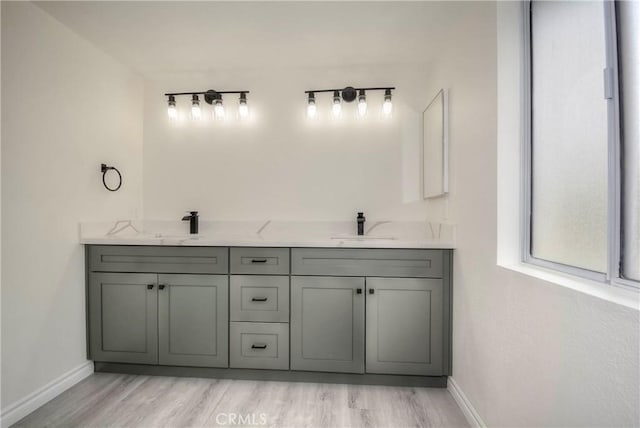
(155, 37)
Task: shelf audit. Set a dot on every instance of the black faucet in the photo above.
(360, 219)
(193, 221)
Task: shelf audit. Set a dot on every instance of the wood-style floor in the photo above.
(117, 400)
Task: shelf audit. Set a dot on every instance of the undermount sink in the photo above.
(363, 237)
(179, 237)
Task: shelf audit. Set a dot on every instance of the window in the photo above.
(628, 24)
(582, 180)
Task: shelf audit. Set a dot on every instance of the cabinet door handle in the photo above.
(258, 299)
(258, 260)
(161, 286)
(371, 291)
(259, 346)
(358, 290)
(150, 286)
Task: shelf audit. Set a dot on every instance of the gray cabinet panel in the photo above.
(259, 298)
(124, 258)
(193, 320)
(367, 262)
(265, 261)
(327, 324)
(259, 345)
(122, 317)
(447, 311)
(404, 326)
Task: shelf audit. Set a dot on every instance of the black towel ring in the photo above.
(104, 168)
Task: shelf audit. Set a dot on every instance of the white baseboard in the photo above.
(465, 405)
(21, 408)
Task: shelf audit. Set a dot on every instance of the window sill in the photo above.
(618, 294)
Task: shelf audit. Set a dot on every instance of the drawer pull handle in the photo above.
(358, 290)
(259, 346)
(371, 291)
(150, 286)
(258, 260)
(161, 286)
(258, 299)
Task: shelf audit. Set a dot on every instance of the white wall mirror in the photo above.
(435, 147)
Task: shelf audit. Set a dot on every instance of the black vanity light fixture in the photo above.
(210, 97)
(348, 95)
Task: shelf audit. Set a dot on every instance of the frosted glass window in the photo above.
(569, 134)
(629, 48)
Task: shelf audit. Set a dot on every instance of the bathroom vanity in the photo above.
(367, 315)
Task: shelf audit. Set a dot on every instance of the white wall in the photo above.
(66, 107)
(280, 165)
(526, 352)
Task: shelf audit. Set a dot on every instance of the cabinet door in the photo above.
(404, 326)
(123, 317)
(193, 320)
(327, 324)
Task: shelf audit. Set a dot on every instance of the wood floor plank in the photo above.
(440, 408)
(73, 403)
(315, 405)
(115, 400)
(193, 406)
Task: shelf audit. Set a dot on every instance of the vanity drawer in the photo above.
(259, 345)
(269, 261)
(127, 258)
(259, 298)
(367, 262)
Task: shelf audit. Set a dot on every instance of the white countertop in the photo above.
(382, 234)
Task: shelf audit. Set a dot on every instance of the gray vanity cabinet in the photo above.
(145, 318)
(123, 317)
(408, 310)
(193, 320)
(327, 324)
(341, 310)
(404, 326)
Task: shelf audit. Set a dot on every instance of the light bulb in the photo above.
(218, 109)
(311, 110)
(243, 108)
(196, 113)
(337, 109)
(362, 103)
(311, 106)
(387, 106)
(172, 111)
(337, 105)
